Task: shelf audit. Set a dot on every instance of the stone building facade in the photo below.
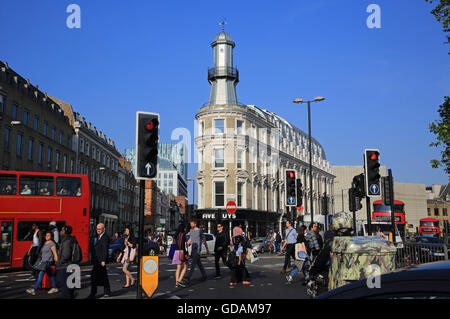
(438, 205)
(243, 154)
(35, 134)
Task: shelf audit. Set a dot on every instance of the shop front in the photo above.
(254, 223)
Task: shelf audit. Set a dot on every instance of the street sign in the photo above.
(374, 189)
(291, 200)
(231, 207)
(149, 274)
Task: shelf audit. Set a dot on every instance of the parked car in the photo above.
(258, 244)
(210, 242)
(427, 281)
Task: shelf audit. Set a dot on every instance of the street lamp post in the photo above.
(193, 192)
(300, 100)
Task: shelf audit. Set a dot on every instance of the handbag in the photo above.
(249, 254)
(184, 256)
(40, 265)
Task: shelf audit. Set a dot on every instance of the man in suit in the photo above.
(99, 274)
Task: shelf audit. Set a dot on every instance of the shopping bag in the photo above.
(172, 251)
(254, 257)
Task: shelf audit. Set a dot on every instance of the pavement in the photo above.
(266, 283)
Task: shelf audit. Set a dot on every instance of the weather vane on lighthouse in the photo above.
(223, 23)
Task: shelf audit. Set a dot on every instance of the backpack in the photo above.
(278, 238)
(77, 255)
(232, 259)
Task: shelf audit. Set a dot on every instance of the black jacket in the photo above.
(65, 251)
(100, 251)
(222, 240)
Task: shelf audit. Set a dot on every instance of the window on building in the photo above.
(444, 212)
(49, 156)
(429, 211)
(41, 147)
(30, 149)
(54, 134)
(65, 164)
(219, 158)
(7, 139)
(2, 103)
(239, 127)
(219, 193)
(69, 142)
(240, 187)
(14, 111)
(45, 128)
(219, 126)
(240, 158)
(26, 115)
(36, 123)
(436, 211)
(57, 160)
(19, 144)
(61, 138)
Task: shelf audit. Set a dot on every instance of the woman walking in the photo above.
(238, 271)
(298, 265)
(180, 256)
(128, 254)
(47, 257)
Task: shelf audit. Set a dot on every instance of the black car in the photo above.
(151, 248)
(427, 281)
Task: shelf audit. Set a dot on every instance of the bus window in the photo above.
(8, 184)
(25, 228)
(36, 185)
(68, 186)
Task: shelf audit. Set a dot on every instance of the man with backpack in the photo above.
(69, 252)
(277, 241)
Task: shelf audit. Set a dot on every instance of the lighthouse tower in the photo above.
(223, 77)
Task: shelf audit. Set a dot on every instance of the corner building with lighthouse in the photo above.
(243, 153)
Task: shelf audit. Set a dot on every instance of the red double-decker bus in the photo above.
(429, 227)
(382, 213)
(28, 198)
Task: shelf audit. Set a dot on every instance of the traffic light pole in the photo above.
(310, 163)
(369, 217)
(391, 190)
(141, 236)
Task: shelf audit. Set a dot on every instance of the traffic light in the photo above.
(325, 205)
(387, 184)
(358, 185)
(147, 136)
(354, 200)
(291, 188)
(299, 193)
(372, 173)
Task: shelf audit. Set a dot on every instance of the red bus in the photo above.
(429, 227)
(382, 213)
(28, 198)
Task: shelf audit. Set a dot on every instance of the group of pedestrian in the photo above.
(223, 246)
(50, 254)
(311, 240)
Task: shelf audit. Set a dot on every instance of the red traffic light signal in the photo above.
(153, 124)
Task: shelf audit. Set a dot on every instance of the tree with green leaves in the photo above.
(442, 15)
(441, 128)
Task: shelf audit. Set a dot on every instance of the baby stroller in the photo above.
(302, 262)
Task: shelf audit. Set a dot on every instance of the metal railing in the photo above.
(223, 72)
(420, 253)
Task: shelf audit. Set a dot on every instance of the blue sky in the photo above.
(382, 86)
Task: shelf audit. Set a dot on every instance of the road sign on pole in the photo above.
(231, 207)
